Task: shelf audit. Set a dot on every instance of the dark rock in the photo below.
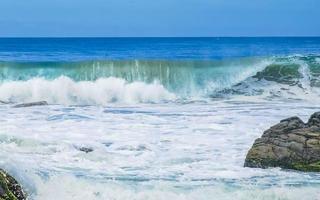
(4, 102)
(280, 73)
(10, 189)
(314, 119)
(107, 144)
(86, 149)
(40, 103)
(291, 144)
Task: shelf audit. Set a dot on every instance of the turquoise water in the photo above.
(166, 80)
(167, 118)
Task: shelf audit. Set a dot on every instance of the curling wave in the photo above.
(294, 77)
(102, 82)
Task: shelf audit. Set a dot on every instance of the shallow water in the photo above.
(148, 151)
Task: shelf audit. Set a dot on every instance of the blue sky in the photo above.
(121, 18)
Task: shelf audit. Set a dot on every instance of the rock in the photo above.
(4, 102)
(291, 144)
(39, 103)
(10, 189)
(314, 119)
(86, 149)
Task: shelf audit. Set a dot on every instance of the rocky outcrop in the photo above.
(39, 103)
(10, 189)
(291, 144)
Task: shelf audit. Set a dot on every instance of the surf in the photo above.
(151, 81)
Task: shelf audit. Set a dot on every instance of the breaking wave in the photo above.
(102, 82)
(64, 90)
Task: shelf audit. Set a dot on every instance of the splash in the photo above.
(64, 90)
(103, 82)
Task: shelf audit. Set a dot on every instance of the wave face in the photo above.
(101, 82)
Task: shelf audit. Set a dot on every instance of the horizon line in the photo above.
(66, 37)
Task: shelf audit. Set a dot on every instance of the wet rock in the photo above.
(291, 144)
(107, 144)
(280, 73)
(39, 103)
(4, 102)
(86, 149)
(10, 189)
(314, 119)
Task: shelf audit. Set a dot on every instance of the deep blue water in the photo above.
(75, 49)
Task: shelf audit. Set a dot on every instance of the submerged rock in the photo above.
(291, 144)
(86, 149)
(10, 189)
(4, 102)
(39, 103)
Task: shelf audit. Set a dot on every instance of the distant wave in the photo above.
(102, 82)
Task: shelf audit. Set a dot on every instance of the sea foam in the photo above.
(64, 90)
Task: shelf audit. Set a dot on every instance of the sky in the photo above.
(158, 18)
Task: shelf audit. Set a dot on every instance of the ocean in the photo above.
(166, 118)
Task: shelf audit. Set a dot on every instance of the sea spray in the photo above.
(64, 90)
(103, 82)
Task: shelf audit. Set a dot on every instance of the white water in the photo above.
(182, 83)
(305, 72)
(142, 84)
(64, 90)
(149, 144)
(148, 151)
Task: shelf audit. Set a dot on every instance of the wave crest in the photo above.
(102, 82)
(64, 90)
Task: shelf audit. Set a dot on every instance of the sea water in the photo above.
(166, 118)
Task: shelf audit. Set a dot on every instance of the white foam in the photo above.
(147, 151)
(305, 73)
(63, 90)
(71, 188)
